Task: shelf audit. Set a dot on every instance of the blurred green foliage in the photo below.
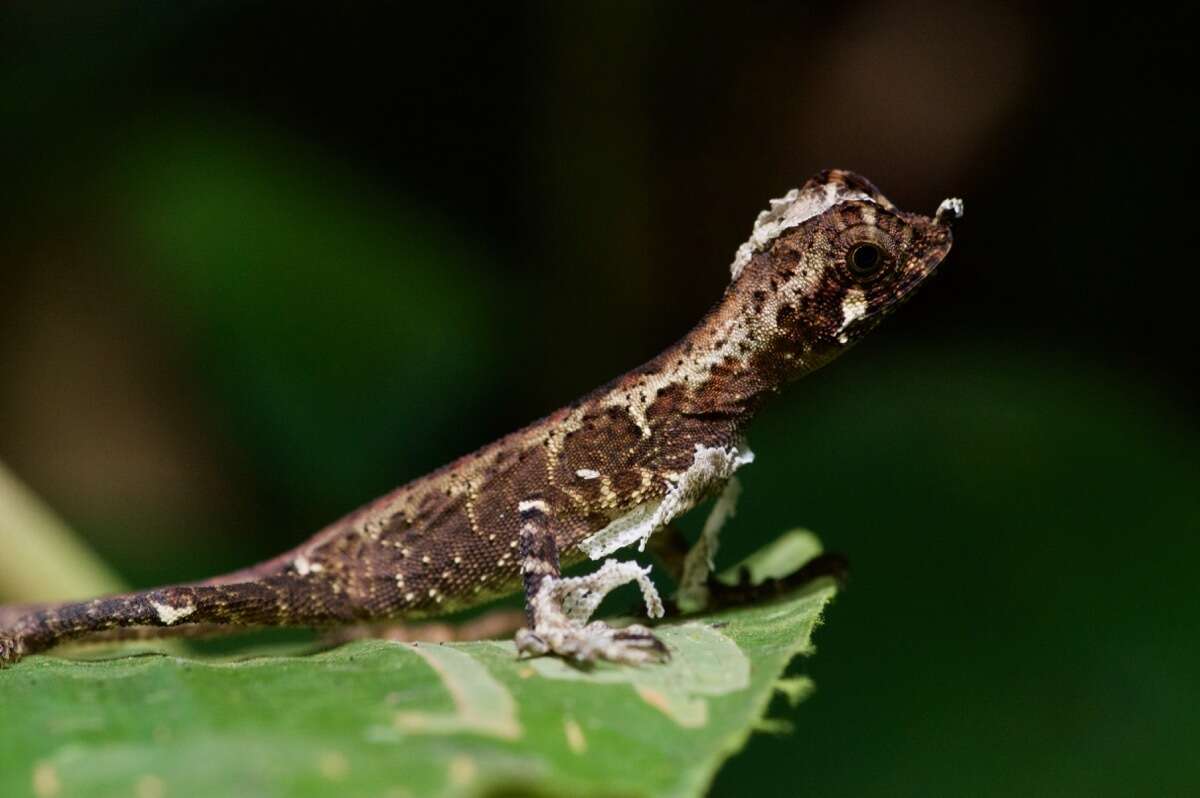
(1021, 537)
(327, 320)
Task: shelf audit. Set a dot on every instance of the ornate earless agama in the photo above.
(822, 266)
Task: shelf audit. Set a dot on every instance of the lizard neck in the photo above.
(723, 370)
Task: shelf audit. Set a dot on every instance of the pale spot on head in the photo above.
(854, 307)
(587, 473)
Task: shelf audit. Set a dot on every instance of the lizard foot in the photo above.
(10, 650)
(631, 645)
(560, 609)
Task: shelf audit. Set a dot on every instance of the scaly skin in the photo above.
(801, 294)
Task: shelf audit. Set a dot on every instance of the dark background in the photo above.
(264, 261)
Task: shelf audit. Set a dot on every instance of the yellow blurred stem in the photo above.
(41, 559)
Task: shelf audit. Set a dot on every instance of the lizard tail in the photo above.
(11, 613)
(276, 566)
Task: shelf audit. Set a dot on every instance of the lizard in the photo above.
(822, 266)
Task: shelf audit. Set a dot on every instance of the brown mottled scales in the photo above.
(822, 266)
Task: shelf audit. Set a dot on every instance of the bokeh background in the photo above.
(264, 261)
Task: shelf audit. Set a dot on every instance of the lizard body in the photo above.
(822, 266)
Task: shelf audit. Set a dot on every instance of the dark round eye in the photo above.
(865, 260)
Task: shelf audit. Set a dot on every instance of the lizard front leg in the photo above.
(557, 608)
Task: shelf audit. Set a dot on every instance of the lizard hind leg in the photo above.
(698, 566)
(557, 608)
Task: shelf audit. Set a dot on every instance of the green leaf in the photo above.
(389, 719)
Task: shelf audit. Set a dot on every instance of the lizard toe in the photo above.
(630, 645)
(10, 650)
(529, 644)
(638, 643)
(596, 641)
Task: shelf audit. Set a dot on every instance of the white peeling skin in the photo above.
(532, 504)
(792, 209)
(711, 466)
(579, 596)
(699, 562)
(952, 206)
(635, 525)
(563, 605)
(170, 615)
(587, 473)
(305, 566)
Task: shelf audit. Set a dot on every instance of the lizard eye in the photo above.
(865, 260)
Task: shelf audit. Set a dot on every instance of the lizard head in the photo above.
(826, 262)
